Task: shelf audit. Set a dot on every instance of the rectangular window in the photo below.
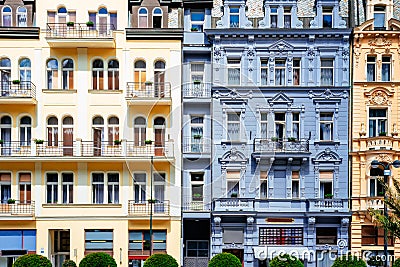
(371, 68)
(295, 184)
(327, 72)
(264, 72)
(197, 183)
(374, 236)
(67, 188)
(263, 185)
(233, 126)
(99, 240)
(280, 126)
(287, 17)
(233, 71)
(196, 133)
(280, 70)
(386, 68)
(92, 18)
(139, 241)
(327, 17)
(24, 187)
(375, 188)
(97, 188)
(140, 187)
(52, 187)
(113, 21)
(197, 248)
(264, 126)
(326, 235)
(234, 17)
(377, 122)
(326, 184)
(232, 182)
(296, 71)
(197, 20)
(379, 17)
(296, 125)
(113, 188)
(274, 17)
(5, 187)
(197, 72)
(281, 236)
(326, 126)
(18, 240)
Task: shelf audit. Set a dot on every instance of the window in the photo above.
(62, 15)
(326, 235)
(159, 190)
(234, 17)
(197, 72)
(99, 240)
(232, 183)
(327, 17)
(264, 72)
(143, 19)
(24, 71)
(52, 131)
(287, 17)
(326, 72)
(17, 240)
(196, 133)
(113, 130)
(375, 187)
(157, 17)
(52, 187)
(113, 75)
(281, 236)
(140, 187)
(113, 21)
(5, 187)
(326, 126)
(67, 188)
(67, 74)
(197, 20)
(197, 183)
(52, 74)
(140, 73)
(113, 188)
(139, 241)
(7, 16)
(264, 126)
(139, 131)
(24, 187)
(371, 68)
(280, 125)
(92, 18)
(377, 122)
(68, 136)
(325, 184)
(5, 135)
(386, 63)
(159, 78)
(280, 69)
(296, 125)
(274, 17)
(233, 71)
(98, 74)
(374, 236)
(233, 126)
(295, 184)
(379, 17)
(102, 16)
(5, 72)
(25, 129)
(98, 188)
(21, 17)
(196, 248)
(263, 185)
(296, 71)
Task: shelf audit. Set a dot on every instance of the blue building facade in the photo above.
(266, 130)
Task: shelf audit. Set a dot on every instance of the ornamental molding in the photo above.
(281, 46)
(233, 94)
(327, 156)
(380, 41)
(280, 98)
(379, 97)
(327, 94)
(384, 158)
(233, 156)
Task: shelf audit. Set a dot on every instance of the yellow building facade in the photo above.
(90, 119)
(375, 122)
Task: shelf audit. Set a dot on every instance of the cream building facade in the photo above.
(90, 120)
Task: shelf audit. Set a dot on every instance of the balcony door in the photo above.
(97, 138)
(68, 136)
(159, 79)
(5, 135)
(159, 136)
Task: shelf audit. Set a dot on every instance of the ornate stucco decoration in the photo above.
(254, 9)
(216, 11)
(311, 221)
(344, 8)
(327, 94)
(378, 97)
(305, 8)
(280, 98)
(233, 94)
(234, 156)
(280, 47)
(327, 156)
(380, 41)
(384, 158)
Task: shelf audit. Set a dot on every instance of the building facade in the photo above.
(374, 118)
(90, 123)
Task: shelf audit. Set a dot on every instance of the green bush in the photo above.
(224, 260)
(285, 260)
(69, 263)
(396, 263)
(98, 259)
(349, 261)
(32, 260)
(160, 260)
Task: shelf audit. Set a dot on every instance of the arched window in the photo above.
(157, 17)
(25, 127)
(98, 121)
(68, 74)
(159, 136)
(140, 72)
(139, 132)
(6, 16)
(5, 73)
(62, 15)
(68, 135)
(25, 70)
(113, 130)
(159, 78)
(98, 74)
(21, 16)
(113, 74)
(52, 74)
(143, 18)
(103, 17)
(52, 131)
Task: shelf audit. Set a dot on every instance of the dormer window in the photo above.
(287, 18)
(157, 18)
(6, 16)
(21, 16)
(327, 17)
(234, 17)
(142, 17)
(379, 17)
(274, 17)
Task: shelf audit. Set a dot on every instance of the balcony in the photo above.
(200, 204)
(18, 208)
(159, 208)
(127, 149)
(234, 204)
(380, 143)
(328, 205)
(366, 203)
(60, 35)
(280, 148)
(17, 93)
(196, 146)
(148, 93)
(197, 91)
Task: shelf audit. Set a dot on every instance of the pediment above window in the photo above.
(280, 98)
(327, 156)
(366, 26)
(234, 157)
(281, 46)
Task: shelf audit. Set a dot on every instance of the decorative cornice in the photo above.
(327, 94)
(233, 94)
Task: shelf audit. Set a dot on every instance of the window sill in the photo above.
(233, 142)
(59, 91)
(104, 91)
(322, 142)
(72, 205)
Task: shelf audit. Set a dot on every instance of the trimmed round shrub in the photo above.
(98, 259)
(396, 263)
(224, 259)
(285, 260)
(160, 260)
(349, 260)
(69, 263)
(32, 260)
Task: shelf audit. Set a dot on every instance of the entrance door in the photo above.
(60, 246)
(237, 252)
(97, 134)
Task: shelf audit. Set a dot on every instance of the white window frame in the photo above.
(234, 14)
(55, 132)
(141, 185)
(295, 180)
(264, 68)
(94, 197)
(377, 120)
(3, 14)
(197, 22)
(115, 189)
(157, 15)
(68, 72)
(296, 69)
(234, 64)
(287, 12)
(68, 184)
(281, 69)
(143, 15)
(328, 67)
(194, 72)
(112, 130)
(329, 122)
(296, 122)
(234, 122)
(200, 183)
(22, 14)
(322, 181)
(264, 124)
(54, 188)
(370, 63)
(389, 64)
(273, 14)
(27, 129)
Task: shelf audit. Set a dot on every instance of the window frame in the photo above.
(372, 64)
(295, 180)
(27, 187)
(377, 120)
(281, 69)
(157, 15)
(6, 13)
(377, 13)
(140, 185)
(235, 65)
(21, 15)
(26, 129)
(281, 236)
(287, 13)
(332, 68)
(69, 191)
(199, 183)
(52, 188)
(5, 183)
(113, 75)
(112, 130)
(50, 74)
(296, 70)
(386, 64)
(197, 24)
(327, 11)
(234, 24)
(67, 75)
(326, 122)
(52, 132)
(234, 122)
(98, 75)
(113, 195)
(141, 15)
(264, 71)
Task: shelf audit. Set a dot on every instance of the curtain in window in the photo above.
(233, 76)
(327, 76)
(370, 72)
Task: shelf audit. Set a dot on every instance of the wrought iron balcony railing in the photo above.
(197, 90)
(18, 207)
(25, 89)
(196, 144)
(148, 90)
(276, 145)
(145, 207)
(79, 30)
